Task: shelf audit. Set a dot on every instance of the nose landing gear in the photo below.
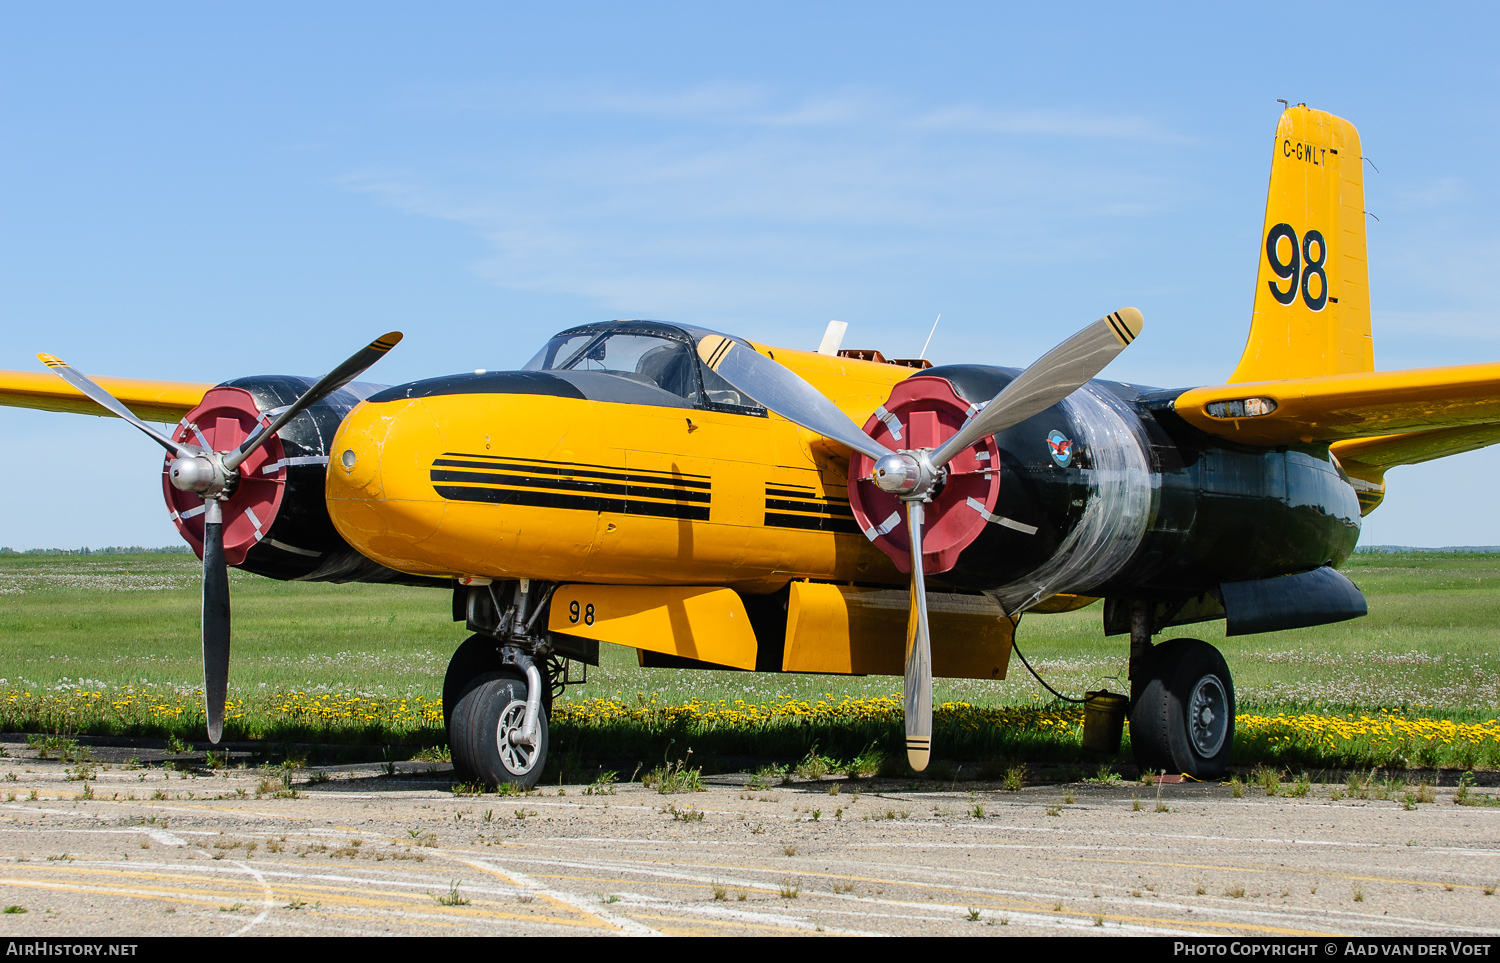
(488, 736)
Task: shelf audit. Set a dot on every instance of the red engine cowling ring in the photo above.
(923, 412)
(224, 418)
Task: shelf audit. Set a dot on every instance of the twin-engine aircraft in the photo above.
(713, 502)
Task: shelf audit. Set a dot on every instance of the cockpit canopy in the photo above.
(649, 352)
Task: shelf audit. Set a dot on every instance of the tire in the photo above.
(477, 734)
(478, 655)
(1183, 720)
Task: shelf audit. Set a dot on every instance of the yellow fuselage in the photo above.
(572, 490)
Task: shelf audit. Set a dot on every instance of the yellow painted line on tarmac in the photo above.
(1011, 904)
(599, 922)
(703, 924)
(109, 891)
(403, 909)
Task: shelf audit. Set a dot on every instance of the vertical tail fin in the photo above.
(1312, 292)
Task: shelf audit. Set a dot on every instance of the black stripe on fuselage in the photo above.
(815, 523)
(509, 480)
(538, 466)
(813, 512)
(586, 503)
(840, 509)
(567, 484)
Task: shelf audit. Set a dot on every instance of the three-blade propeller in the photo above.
(914, 475)
(212, 475)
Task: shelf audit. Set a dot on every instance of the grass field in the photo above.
(109, 644)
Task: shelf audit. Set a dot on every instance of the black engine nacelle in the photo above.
(300, 542)
(1113, 494)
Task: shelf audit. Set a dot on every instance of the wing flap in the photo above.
(159, 401)
(1346, 406)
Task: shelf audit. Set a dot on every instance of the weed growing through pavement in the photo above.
(973, 916)
(1135, 804)
(684, 814)
(721, 894)
(603, 784)
(452, 897)
(1069, 798)
(789, 889)
(868, 762)
(14, 909)
(1235, 892)
(1106, 777)
(1015, 778)
(1359, 893)
(789, 850)
(675, 777)
(1267, 778)
(814, 766)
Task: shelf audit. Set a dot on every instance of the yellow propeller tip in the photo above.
(50, 361)
(1126, 324)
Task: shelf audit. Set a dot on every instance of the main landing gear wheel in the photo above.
(1183, 720)
(482, 733)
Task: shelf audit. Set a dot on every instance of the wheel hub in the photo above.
(1208, 716)
(518, 758)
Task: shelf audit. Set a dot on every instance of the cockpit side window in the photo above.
(557, 352)
(659, 362)
(662, 362)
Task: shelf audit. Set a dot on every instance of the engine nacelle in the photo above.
(1106, 493)
(276, 521)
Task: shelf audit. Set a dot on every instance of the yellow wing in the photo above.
(1345, 406)
(161, 401)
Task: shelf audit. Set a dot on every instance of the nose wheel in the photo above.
(486, 734)
(1183, 718)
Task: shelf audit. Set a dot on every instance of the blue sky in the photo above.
(204, 191)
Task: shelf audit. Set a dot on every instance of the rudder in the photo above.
(1312, 300)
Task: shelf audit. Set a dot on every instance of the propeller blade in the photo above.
(917, 689)
(1050, 379)
(357, 364)
(782, 391)
(108, 401)
(215, 619)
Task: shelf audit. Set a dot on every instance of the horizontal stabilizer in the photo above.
(159, 401)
